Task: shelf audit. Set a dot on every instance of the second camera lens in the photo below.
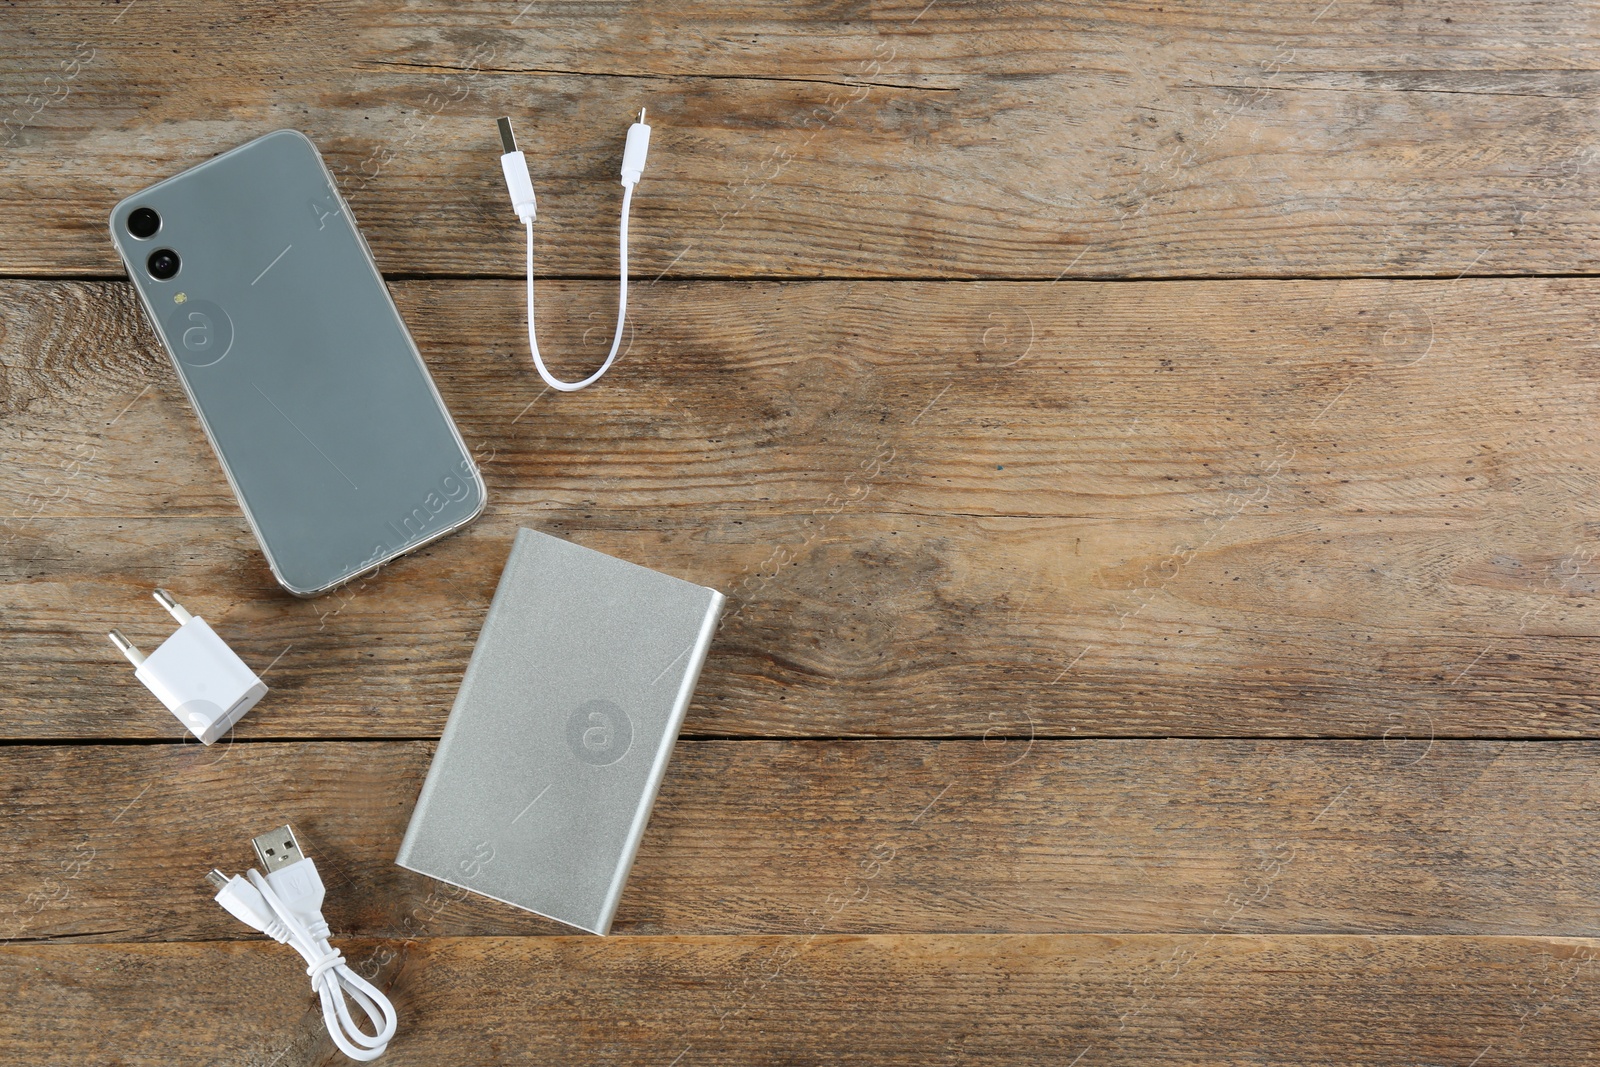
(143, 222)
(163, 264)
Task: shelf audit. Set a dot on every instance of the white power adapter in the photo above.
(199, 678)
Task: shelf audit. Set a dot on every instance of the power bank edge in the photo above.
(658, 770)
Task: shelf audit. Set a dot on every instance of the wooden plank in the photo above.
(1205, 837)
(886, 999)
(1120, 400)
(896, 139)
(1350, 509)
(850, 639)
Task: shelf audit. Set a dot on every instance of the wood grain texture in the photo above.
(1206, 837)
(913, 1000)
(888, 139)
(1122, 671)
(1246, 508)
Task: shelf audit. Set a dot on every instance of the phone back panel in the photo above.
(313, 394)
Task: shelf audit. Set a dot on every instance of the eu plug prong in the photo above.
(128, 648)
(175, 609)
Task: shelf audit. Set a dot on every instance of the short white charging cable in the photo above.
(515, 167)
(286, 905)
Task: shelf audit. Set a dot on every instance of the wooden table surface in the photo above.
(1150, 451)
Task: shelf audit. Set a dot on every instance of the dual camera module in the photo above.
(163, 262)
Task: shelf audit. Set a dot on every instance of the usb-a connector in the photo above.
(277, 849)
(291, 875)
(514, 165)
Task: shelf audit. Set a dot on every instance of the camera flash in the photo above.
(180, 298)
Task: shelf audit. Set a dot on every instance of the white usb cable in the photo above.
(286, 905)
(515, 167)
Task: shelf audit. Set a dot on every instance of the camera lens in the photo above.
(163, 264)
(143, 222)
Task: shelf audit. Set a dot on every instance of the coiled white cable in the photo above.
(286, 905)
(515, 167)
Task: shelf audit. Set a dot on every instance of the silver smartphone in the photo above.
(312, 393)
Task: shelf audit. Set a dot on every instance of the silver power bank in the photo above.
(550, 761)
